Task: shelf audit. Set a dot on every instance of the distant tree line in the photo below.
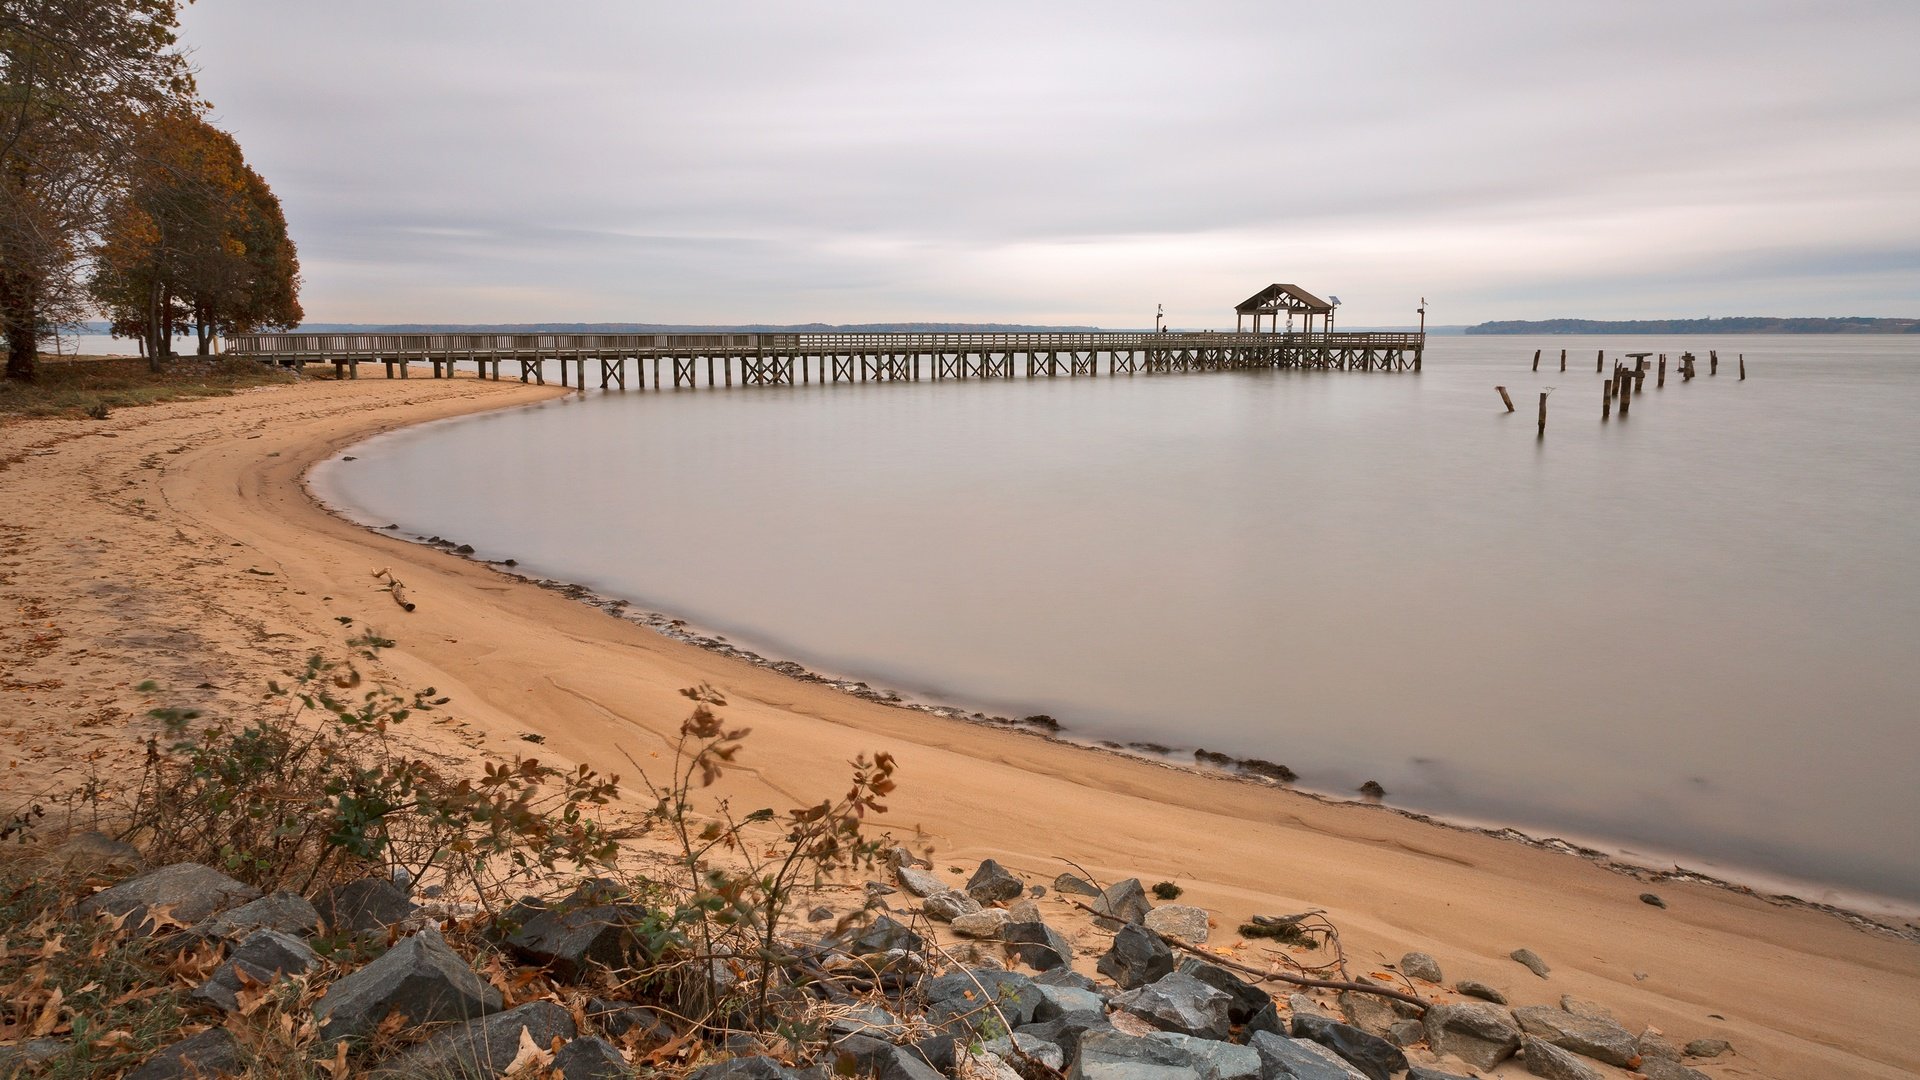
(116, 194)
(689, 328)
(1752, 324)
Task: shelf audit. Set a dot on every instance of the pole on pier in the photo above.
(709, 371)
(656, 372)
(1536, 359)
(1606, 400)
(1743, 367)
(1505, 398)
(1625, 392)
(1543, 413)
(726, 365)
(1663, 371)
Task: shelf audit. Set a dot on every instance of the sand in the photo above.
(178, 543)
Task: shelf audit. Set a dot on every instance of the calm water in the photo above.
(1693, 635)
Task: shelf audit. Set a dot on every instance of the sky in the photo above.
(1077, 163)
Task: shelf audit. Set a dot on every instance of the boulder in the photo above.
(1368, 1012)
(1530, 960)
(617, 1018)
(1708, 1048)
(1420, 1072)
(1078, 886)
(421, 978)
(992, 883)
(1024, 911)
(1298, 1059)
(1419, 965)
(289, 913)
(919, 882)
(975, 997)
(1058, 1001)
(980, 924)
(751, 1067)
(188, 892)
(1589, 1009)
(1037, 945)
(366, 904)
(936, 1052)
(1480, 1035)
(949, 905)
(863, 1055)
(1480, 990)
(22, 1058)
(1651, 1044)
(1371, 1054)
(984, 1065)
(591, 1059)
(1545, 1059)
(1125, 901)
(1248, 999)
(570, 941)
(1182, 921)
(1405, 1033)
(861, 1018)
(1602, 1040)
(1136, 958)
(1032, 1046)
(1109, 1055)
(265, 956)
(483, 1046)
(885, 935)
(1214, 1060)
(213, 1052)
(1668, 1069)
(1066, 1030)
(1067, 977)
(1181, 1003)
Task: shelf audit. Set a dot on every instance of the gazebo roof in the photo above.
(1283, 298)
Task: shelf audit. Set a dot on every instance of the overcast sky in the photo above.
(712, 162)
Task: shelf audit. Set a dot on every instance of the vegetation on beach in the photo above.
(93, 386)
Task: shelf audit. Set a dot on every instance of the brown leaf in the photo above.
(530, 1056)
(49, 1014)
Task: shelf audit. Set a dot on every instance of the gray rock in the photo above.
(189, 892)
(1267, 1019)
(1058, 1001)
(885, 935)
(1420, 1072)
(1371, 1054)
(1066, 977)
(1419, 965)
(1110, 1055)
(1299, 1059)
(1214, 1060)
(1545, 1059)
(1024, 911)
(1180, 1003)
(1708, 1048)
(1588, 1009)
(949, 905)
(213, 1052)
(1652, 1045)
(1248, 999)
(1037, 945)
(289, 913)
(1066, 1030)
(1368, 1012)
(865, 1019)
(980, 997)
(1125, 901)
(590, 1059)
(93, 851)
(1480, 1035)
(1136, 958)
(938, 1052)
(22, 1058)
(1530, 960)
(1183, 921)
(1067, 883)
(265, 956)
(751, 1067)
(1480, 990)
(919, 882)
(366, 904)
(617, 1018)
(1602, 1040)
(981, 924)
(570, 941)
(485, 1046)
(1404, 1033)
(992, 883)
(1032, 1046)
(1653, 899)
(862, 1055)
(1668, 1069)
(420, 977)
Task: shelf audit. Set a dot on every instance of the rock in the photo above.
(936, 1053)
(1405, 1033)
(1545, 1059)
(95, 851)
(1421, 966)
(1247, 999)
(1056, 1001)
(1480, 990)
(22, 1058)
(213, 1052)
(899, 856)
(421, 978)
(751, 1067)
(1182, 921)
(885, 935)
(1066, 977)
(919, 882)
(1032, 1046)
(1067, 883)
(1530, 960)
(570, 941)
(1602, 1040)
(1066, 1030)
(1668, 1069)
(1109, 1055)
(984, 1066)
(1708, 1048)
(1368, 1012)
(1125, 901)
(863, 1055)
(1299, 1059)
(188, 892)
(1419, 1072)
(289, 913)
(484, 1046)
(1480, 1035)
(1024, 911)
(973, 997)
(1214, 1060)
(980, 924)
(1650, 1044)
(265, 956)
(1267, 1018)
(1371, 1054)
(1037, 945)
(949, 905)
(1180, 1003)
(992, 883)
(1135, 958)
(617, 1018)
(1588, 1009)
(591, 1059)
(1652, 898)
(864, 1019)
(369, 903)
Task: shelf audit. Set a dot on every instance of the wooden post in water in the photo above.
(1626, 391)
(1505, 398)
(1663, 371)
(1543, 413)
(709, 371)
(1743, 367)
(1563, 359)
(1599, 360)
(1536, 359)
(1713, 361)
(1640, 375)
(1606, 400)
(726, 365)
(656, 372)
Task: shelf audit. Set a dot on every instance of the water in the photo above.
(1689, 636)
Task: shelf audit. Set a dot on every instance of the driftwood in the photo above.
(394, 587)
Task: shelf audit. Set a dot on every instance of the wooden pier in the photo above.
(685, 361)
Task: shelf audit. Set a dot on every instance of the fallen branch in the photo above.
(394, 587)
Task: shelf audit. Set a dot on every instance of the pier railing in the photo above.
(380, 346)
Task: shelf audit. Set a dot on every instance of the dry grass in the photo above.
(79, 386)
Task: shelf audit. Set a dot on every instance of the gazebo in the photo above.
(1274, 300)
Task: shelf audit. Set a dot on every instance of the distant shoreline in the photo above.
(1752, 324)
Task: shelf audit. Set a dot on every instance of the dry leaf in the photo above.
(337, 1068)
(49, 1014)
(530, 1055)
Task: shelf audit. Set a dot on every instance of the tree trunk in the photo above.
(17, 319)
(156, 328)
(203, 331)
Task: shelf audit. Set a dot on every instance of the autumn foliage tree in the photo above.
(196, 238)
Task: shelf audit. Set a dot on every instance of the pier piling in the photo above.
(1504, 397)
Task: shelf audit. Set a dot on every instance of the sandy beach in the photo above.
(178, 543)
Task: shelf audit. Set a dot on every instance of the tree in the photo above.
(77, 80)
(196, 237)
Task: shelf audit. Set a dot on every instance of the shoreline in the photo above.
(180, 542)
